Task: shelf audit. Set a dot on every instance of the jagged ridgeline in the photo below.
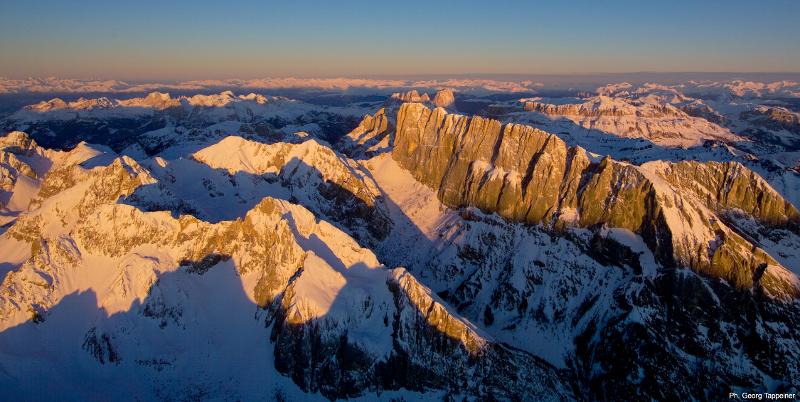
(525, 174)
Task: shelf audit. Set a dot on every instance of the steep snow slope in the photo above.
(313, 174)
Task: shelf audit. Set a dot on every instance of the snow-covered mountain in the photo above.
(145, 276)
(158, 121)
(254, 247)
(663, 124)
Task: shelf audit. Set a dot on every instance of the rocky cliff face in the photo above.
(429, 349)
(698, 108)
(524, 174)
(729, 185)
(23, 167)
(552, 288)
(13, 164)
(588, 302)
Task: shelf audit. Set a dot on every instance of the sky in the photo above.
(200, 39)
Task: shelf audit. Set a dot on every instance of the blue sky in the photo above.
(168, 40)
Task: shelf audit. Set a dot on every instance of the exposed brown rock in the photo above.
(729, 185)
(444, 98)
(525, 174)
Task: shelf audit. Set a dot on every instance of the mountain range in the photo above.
(489, 240)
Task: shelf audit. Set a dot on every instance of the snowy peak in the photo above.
(19, 140)
(775, 118)
(24, 165)
(314, 174)
(154, 100)
(742, 88)
(309, 281)
(286, 160)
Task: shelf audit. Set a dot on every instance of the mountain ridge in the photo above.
(423, 254)
(477, 161)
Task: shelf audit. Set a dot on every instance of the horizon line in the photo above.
(396, 76)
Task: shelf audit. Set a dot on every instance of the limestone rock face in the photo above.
(444, 98)
(525, 174)
(430, 348)
(698, 108)
(18, 140)
(157, 100)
